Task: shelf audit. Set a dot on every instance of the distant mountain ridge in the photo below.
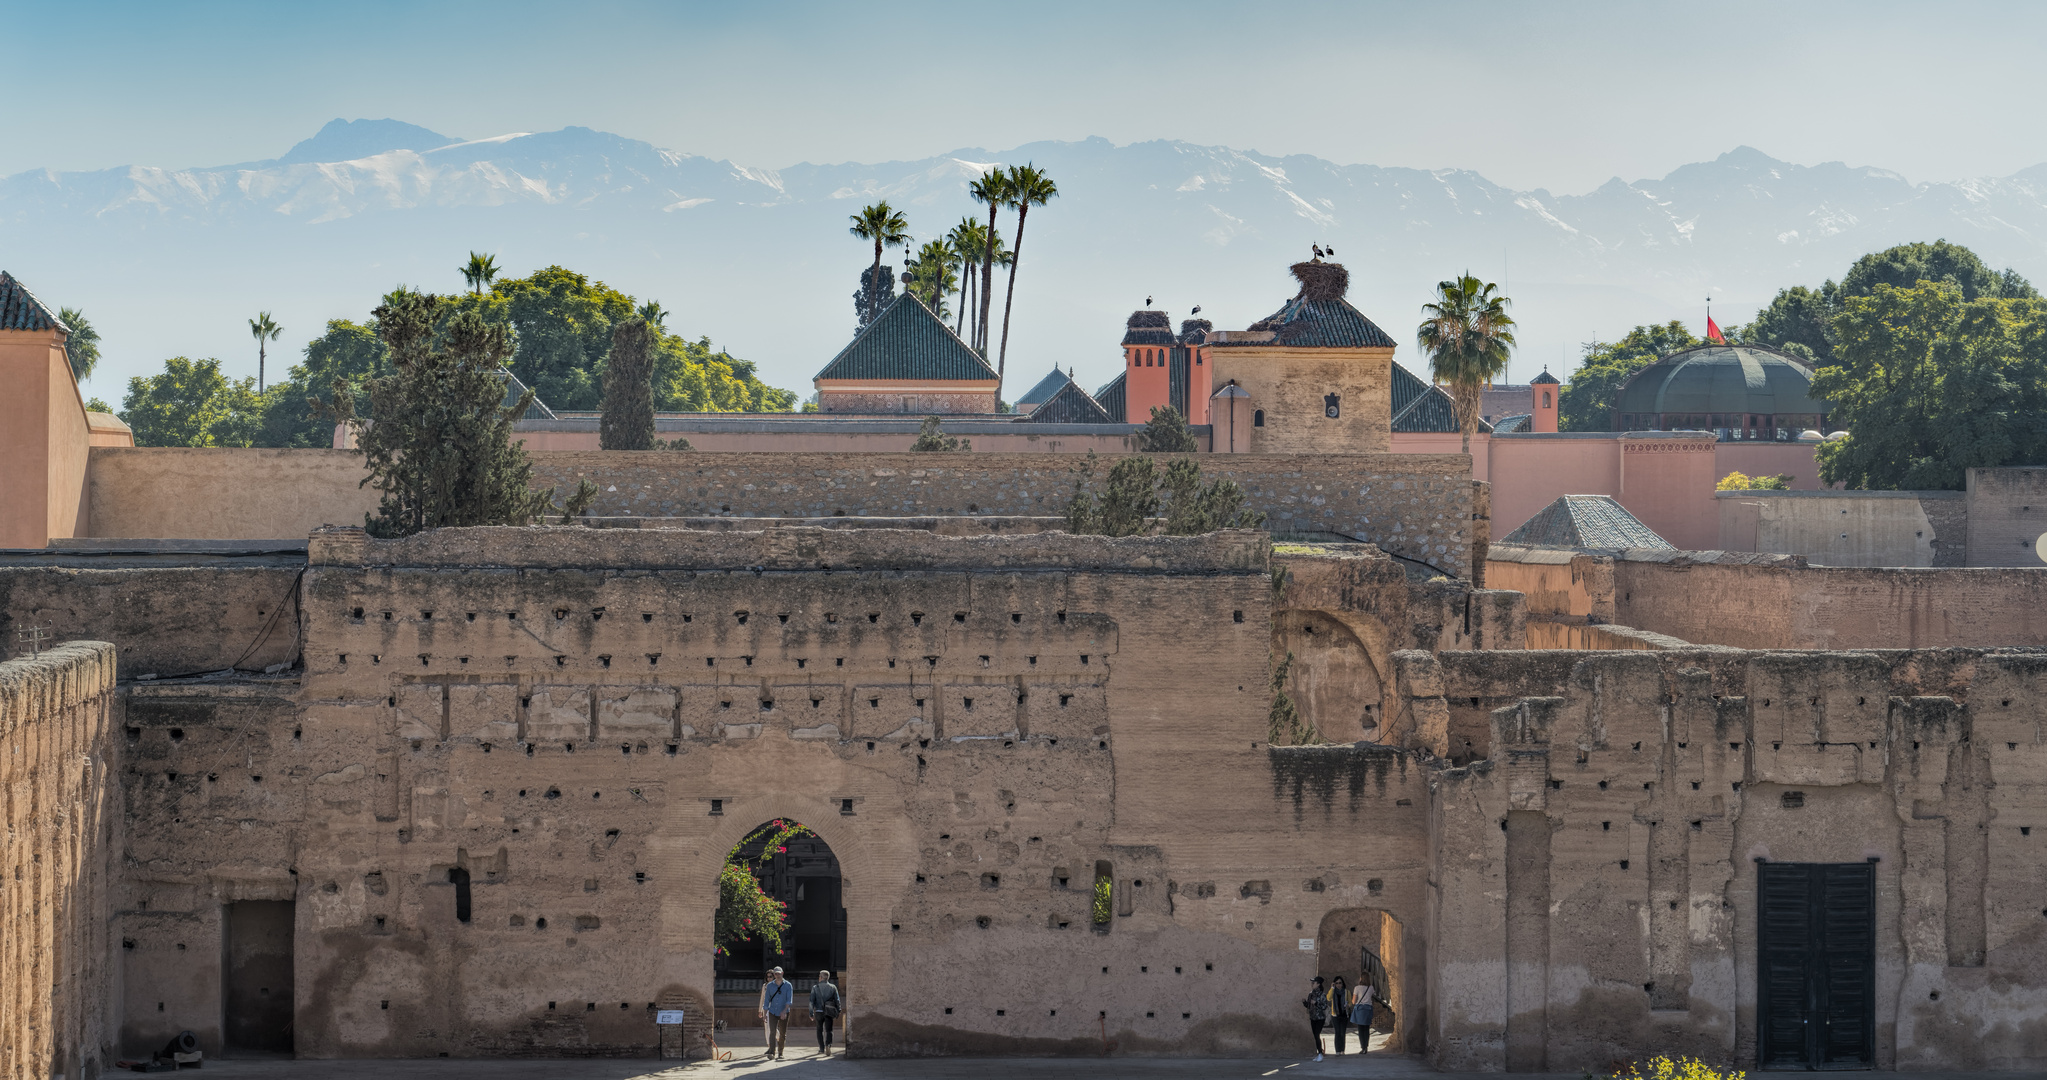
(166, 259)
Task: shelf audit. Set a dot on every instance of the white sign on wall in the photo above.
(1307, 944)
(668, 1016)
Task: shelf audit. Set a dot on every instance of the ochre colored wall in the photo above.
(227, 494)
(1020, 439)
(1878, 528)
(59, 822)
(1288, 384)
(1414, 442)
(43, 441)
(908, 398)
(1667, 489)
(1528, 473)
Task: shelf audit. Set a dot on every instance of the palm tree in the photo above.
(932, 277)
(1467, 335)
(264, 329)
(1028, 187)
(992, 188)
(480, 271)
(654, 313)
(82, 345)
(969, 238)
(885, 226)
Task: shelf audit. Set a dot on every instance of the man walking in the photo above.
(776, 994)
(825, 1007)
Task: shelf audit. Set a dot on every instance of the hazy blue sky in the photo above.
(1561, 96)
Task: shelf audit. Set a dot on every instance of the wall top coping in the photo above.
(809, 424)
(1547, 556)
(59, 677)
(802, 549)
(1850, 494)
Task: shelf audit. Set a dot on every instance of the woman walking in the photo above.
(1360, 1007)
(825, 1007)
(1339, 1002)
(1317, 1004)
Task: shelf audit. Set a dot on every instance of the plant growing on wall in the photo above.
(931, 436)
(441, 448)
(1741, 481)
(1136, 492)
(1663, 1067)
(1285, 727)
(1104, 896)
(745, 912)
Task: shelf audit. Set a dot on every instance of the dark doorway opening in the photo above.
(804, 874)
(1816, 965)
(256, 962)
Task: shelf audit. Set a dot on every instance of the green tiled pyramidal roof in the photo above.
(1071, 405)
(906, 341)
(20, 310)
(1419, 406)
(1586, 521)
(1111, 398)
(1047, 386)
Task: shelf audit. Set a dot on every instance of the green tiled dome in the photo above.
(1726, 379)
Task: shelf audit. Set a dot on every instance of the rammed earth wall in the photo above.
(56, 831)
(1418, 506)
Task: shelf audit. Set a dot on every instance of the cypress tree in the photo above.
(628, 422)
(441, 448)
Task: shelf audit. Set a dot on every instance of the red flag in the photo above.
(1713, 332)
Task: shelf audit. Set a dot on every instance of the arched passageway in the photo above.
(800, 872)
(1333, 681)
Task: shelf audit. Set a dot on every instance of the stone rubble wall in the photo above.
(58, 818)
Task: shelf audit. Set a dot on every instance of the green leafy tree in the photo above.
(441, 449)
(1468, 337)
(1166, 433)
(886, 227)
(1907, 265)
(191, 404)
(932, 437)
(1799, 321)
(96, 405)
(265, 330)
(1028, 186)
(877, 288)
(296, 413)
(563, 322)
(1930, 384)
(82, 345)
(745, 912)
(1130, 501)
(993, 189)
(1587, 401)
(628, 421)
(480, 271)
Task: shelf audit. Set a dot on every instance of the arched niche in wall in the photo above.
(1334, 682)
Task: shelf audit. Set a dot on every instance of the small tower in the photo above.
(1317, 372)
(1544, 393)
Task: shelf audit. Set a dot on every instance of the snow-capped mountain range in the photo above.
(173, 261)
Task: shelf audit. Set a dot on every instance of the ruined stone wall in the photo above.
(58, 826)
(1596, 882)
(1780, 607)
(586, 720)
(1415, 505)
(162, 621)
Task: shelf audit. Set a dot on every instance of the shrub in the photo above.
(1663, 1067)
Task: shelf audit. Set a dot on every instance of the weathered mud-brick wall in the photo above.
(161, 620)
(1642, 790)
(583, 722)
(1415, 505)
(56, 851)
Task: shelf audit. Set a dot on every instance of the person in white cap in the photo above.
(776, 995)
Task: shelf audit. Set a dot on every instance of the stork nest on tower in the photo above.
(1321, 280)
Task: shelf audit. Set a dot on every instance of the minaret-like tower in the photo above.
(1544, 398)
(1318, 373)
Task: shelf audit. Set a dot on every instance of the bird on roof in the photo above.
(1196, 311)
(1318, 251)
(1147, 301)
(1327, 250)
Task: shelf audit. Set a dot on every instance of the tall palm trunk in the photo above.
(987, 278)
(966, 297)
(874, 285)
(1009, 294)
(261, 356)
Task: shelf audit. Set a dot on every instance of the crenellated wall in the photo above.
(59, 830)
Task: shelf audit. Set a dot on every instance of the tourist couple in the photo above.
(777, 994)
(1348, 1006)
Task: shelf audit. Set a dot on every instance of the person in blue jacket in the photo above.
(776, 995)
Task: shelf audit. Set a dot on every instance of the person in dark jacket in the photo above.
(1339, 1009)
(825, 1007)
(1317, 1004)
